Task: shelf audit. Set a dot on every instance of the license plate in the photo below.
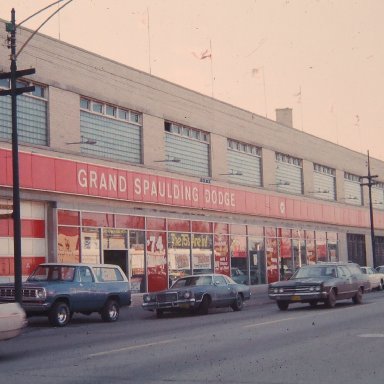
(296, 298)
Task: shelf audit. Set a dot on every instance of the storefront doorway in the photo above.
(117, 257)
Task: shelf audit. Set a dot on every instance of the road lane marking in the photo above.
(269, 322)
(374, 335)
(132, 347)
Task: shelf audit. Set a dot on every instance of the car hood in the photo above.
(299, 282)
(35, 284)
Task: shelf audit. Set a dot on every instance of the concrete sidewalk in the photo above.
(259, 295)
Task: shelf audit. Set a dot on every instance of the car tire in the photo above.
(59, 315)
(283, 305)
(204, 305)
(330, 302)
(380, 287)
(358, 298)
(237, 305)
(110, 311)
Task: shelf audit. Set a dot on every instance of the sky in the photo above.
(322, 58)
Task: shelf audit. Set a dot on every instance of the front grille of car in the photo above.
(166, 297)
(301, 289)
(10, 293)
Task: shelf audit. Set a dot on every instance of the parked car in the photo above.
(322, 282)
(198, 293)
(376, 278)
(59, 290)
(239, 276)
(12, 320)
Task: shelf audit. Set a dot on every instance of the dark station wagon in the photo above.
(322, 282)
(58, 290)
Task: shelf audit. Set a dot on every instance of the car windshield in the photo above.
(314, 271)
(192, 280)
(52, 273)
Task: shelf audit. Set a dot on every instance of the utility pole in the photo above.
(14, 91)
(369, 183)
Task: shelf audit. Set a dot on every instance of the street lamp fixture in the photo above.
(232, 172)
(169, 159)
(83, 140)
(320, 191)
(279, 183)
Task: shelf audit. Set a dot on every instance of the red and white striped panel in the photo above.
(33, 239)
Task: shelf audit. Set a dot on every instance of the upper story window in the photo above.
(324, 169)
(110, 110)
(32, 111)
(352, 189)
(289, 174)
(351, 177)
(243, 163)
(189, 147)
(245, 148)
(282, 158)
(181, 130)
(324, 182)
(116, 131)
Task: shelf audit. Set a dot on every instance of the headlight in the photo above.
(318, 288)
(147, 298)
(187, 295)
(40, 293)
(281, 290)
(311, 289)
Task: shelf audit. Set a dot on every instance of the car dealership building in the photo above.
(119, 166)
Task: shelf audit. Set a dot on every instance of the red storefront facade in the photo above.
(186, 226)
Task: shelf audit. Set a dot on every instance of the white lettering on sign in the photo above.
(103, 181)
(183, 192)
(144, 187)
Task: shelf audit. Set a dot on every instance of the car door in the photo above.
(82, 301)
(352, 281)
(373, 277)
(224, 295)
(345, 285)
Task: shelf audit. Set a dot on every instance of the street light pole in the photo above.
(369, 184)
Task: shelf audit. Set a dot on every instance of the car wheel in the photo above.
(159, 313)
(283, 305)
(331, 300)
(358, 298)
(59, 315)
(204, 306)
(237, 305)
(110, 311)
(313, 303)
(380, 287)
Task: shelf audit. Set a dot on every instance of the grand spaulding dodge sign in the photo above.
(38, 172)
